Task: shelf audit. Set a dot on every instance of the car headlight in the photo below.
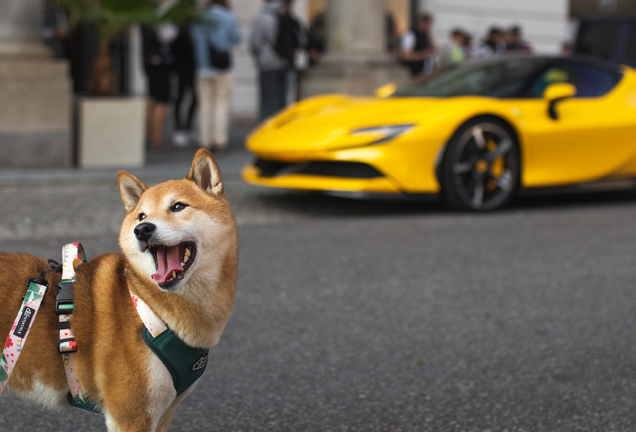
(383, 133)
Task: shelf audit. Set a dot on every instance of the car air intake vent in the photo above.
(340, 169)
(270, 168)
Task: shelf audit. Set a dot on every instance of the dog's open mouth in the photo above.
(172, 262)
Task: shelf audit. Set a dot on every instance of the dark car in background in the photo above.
(609, 37)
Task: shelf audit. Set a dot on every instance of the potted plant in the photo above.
(110, 128)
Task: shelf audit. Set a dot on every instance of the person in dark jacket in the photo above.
(494, 44)
(186, 102)
(516, 43)
(158, 61)
(417, 47)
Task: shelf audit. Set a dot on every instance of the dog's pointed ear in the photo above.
(205, 173)
(130, 189)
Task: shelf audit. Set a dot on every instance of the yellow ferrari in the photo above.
(475, 135)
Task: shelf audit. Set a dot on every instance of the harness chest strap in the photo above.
(21, 328)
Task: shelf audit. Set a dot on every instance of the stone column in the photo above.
(35, 90)
(355, 61)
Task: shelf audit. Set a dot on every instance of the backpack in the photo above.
(287, 37)
(220, 60)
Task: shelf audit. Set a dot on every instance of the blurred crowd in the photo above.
(200, 54)
(190, 67)
(421, 54)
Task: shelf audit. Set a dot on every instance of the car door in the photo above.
(593, 134)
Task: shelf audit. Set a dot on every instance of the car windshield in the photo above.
(501, 77)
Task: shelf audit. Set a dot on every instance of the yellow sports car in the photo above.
(475, 135)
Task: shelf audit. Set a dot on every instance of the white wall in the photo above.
(545, 23)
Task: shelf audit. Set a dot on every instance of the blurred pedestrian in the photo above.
(186, 102)
(292, 44)
(55, 29)
(566, 49)
(417, 47)
(452, 52)
(392, 38)
(158, 61)
(213, 41)
(467, 46)
(268, 40)
(493, 45)
(516, 43)
(317, 37)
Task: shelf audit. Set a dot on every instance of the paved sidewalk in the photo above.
(44, 204)
(160, 166)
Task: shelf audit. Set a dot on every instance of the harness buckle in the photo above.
(39, 281)
(66, 346)
(64, 300)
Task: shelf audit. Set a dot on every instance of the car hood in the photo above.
(326, 122)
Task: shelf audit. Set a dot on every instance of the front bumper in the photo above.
(328, 176)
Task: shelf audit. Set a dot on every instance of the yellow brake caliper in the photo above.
(496, 167)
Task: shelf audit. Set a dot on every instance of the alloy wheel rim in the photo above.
(484, 166)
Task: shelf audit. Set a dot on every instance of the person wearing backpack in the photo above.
(273, 44)
(213, 40)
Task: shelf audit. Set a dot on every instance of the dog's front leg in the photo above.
(166, 418)
(114, 424)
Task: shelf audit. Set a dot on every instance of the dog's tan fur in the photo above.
(115, 367)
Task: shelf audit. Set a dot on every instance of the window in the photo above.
(501, 77)
(589, 80)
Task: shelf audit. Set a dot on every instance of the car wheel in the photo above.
(480, 169)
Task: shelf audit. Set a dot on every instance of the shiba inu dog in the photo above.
(179, 245)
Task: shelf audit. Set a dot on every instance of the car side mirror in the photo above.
(385, 91)
(554, 94)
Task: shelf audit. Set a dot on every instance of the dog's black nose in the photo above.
(144, 231)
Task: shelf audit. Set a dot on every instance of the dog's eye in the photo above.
(141, 216)
(177, 207)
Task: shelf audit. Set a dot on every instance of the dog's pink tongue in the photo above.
(168, 260)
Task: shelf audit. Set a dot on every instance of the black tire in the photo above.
(480, 168)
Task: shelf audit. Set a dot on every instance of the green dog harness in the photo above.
(185, 364)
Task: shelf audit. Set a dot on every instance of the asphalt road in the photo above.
(363, 316)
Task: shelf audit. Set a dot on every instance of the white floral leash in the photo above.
(21, 328)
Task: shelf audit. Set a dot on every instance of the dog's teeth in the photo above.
(187, 253)
(174, 274)
(182, 264)
(186, 258)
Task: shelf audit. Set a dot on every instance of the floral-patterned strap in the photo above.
(72, 256)
(20, 330)
(153, 323)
